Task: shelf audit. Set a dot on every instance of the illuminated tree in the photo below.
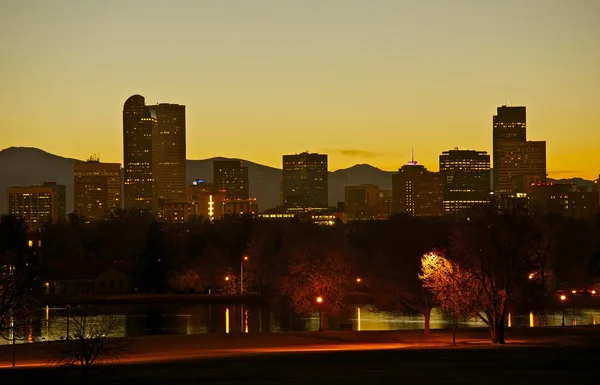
(493, 244)
(455, 289)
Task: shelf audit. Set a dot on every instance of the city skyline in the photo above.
(367, 80)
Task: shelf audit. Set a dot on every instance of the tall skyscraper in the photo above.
(514, 157)
(97, 189)
(169, 152)
(466, 179)
(519, 162)
(231, 176)
(305, 185)
(37, 205)
(417, 191)
(140, 126)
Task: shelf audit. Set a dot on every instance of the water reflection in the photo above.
(136, 320)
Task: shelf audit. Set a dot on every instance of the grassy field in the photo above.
(547, 356)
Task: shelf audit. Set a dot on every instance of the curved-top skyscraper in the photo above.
(139, 126)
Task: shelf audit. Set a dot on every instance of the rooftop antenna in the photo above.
(412, 158)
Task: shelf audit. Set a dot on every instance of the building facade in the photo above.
(97, 189)
(577, 202)
(37, 205)
(169, 152)
(364, 202)
(305, 182)
(140, 126)
(417, 191)
(466, 180)
(518, 161)
(231, 177)
(514, 156)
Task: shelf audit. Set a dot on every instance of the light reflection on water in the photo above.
(201, 319)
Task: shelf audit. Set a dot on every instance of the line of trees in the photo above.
(290, 263)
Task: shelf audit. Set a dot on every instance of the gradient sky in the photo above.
(364, 81)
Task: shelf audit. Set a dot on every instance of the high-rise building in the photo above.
(417, 191)
(515, 158)
(466, 179)
(169, 152)
(97, 189)
(37, 205)
(518, 161)
(232, 177)
(305, 185)
(140, 126)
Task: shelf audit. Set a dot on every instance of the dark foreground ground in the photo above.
(565, 361)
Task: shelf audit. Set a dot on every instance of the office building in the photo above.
(97, 189)
(417, 191)
(515, 158)
(140, 126)
(37, 205)
(305, 185)
(466, 180)
(198, 186)
(240, 206)
(169, 152)
(518, 161)
(576, 202)
(364, 202)
(230, 176)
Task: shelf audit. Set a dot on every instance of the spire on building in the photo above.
(412, 161)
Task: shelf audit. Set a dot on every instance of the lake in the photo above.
(173, 318)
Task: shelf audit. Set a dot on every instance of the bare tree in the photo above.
(455, 289)
(188, 281)
(493, 245)
(319, 267)
(91, 341)
(17, 290)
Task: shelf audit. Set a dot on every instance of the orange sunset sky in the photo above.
(364, 81)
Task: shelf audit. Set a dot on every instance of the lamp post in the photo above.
(563, 298)
(320, 303)
(242, 314)
(68, 308)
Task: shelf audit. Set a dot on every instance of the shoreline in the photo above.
(161, 348)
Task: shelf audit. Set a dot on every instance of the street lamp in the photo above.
(242, 314)
(358, 280)
(563, 298)
(68, 308)
(320, 303)
(242, 274)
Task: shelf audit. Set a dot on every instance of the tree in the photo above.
(93, 340)
(455, 289)
(390, 260)
(17, 264)
(188, 281)
(319, 267)
(154, 262)
(493, 245)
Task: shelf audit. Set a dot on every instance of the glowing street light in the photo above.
(563, 298)
(242, 316)
(227, 278)
(320, 303)
(531, 276)
(358, 280)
